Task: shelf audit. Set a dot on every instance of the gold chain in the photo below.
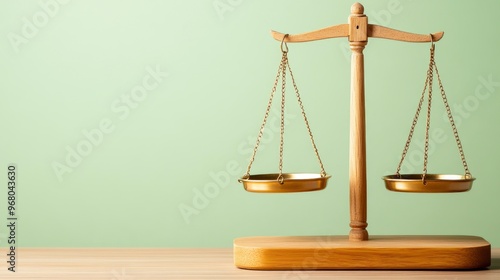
(266, 115)
(428, 122)
(323, 173)
(284, 64)
(428, 86)
(415, 118)
(454, 128)
(282, 122)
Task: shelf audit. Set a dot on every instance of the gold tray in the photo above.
(434, 183)
(292, 182)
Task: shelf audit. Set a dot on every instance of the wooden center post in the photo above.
(358, 26)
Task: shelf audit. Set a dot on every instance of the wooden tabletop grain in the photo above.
(164, 263)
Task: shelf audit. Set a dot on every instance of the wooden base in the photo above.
(380, 252)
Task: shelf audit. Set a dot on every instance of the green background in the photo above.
(162, 171)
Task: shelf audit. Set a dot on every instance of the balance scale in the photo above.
(358, 250)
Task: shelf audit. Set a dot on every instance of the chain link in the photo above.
(428, 87)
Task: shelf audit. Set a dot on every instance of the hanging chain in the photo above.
(323, 173)
(266, 115)
(282, 73)
(428, 86)
(282, 122)
(415, 118)
(453, 127)
(428, 122)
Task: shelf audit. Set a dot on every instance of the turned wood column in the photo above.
(358, 25)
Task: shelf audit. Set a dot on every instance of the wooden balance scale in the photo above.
(358, 250)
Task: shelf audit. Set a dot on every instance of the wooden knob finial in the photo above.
(357, 9)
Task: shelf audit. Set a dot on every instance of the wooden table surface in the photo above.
(134, 264)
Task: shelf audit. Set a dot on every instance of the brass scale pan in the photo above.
(303, 182)
(433, 183)
(292, 182)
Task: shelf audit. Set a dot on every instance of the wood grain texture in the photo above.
(336, 31)
(358, 23)
(377, 31)
(373, 30)
(358, 26)
(380, 252)
(163, 263)
(357, 146)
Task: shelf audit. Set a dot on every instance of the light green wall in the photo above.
(201, 73)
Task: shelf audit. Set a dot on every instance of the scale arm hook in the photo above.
(341, 30)
(377, 31)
